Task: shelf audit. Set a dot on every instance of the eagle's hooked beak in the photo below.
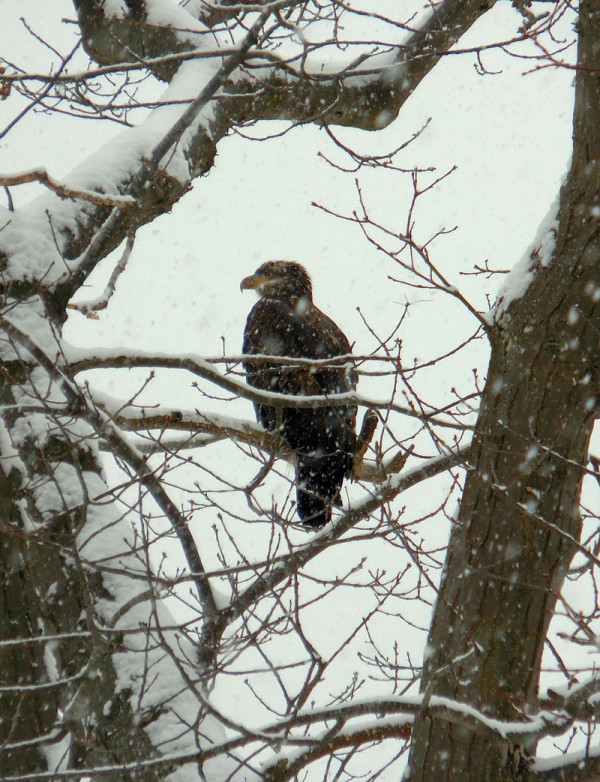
(252, 282)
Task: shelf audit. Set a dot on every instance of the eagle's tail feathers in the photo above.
(319, 480)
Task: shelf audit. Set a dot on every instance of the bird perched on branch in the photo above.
(285, 322)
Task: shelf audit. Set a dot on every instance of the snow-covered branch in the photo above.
(197, 366)
(359, 100)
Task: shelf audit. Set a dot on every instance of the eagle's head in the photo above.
(283, 280)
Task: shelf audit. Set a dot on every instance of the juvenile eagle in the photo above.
(285, 322)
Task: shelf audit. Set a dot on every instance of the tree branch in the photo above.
(377, 99)
(355, 97)
(200, 368)
(103, 424)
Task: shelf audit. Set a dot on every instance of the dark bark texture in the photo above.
(519, 519)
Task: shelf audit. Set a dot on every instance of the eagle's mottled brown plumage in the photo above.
(285, 322)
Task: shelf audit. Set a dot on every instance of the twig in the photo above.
(64, 191)
(91, 307)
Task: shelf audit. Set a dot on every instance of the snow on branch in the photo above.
(149, 167)
(64, 191)
(102, 424)
(355, 724)
(209, 428)
(203, 369)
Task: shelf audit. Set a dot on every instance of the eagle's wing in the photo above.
(323, 437)
(276, 329)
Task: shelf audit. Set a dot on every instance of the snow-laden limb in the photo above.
(538, 254)
(80, 361)
(58, 231)
(365, 89)
(358, 92)
(63, 191)
(208, 428)
(580, 766)
(154, 163)
(314, 733)
(50, 449)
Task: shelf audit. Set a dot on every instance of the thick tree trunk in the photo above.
(519, 517)
(58, 693)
